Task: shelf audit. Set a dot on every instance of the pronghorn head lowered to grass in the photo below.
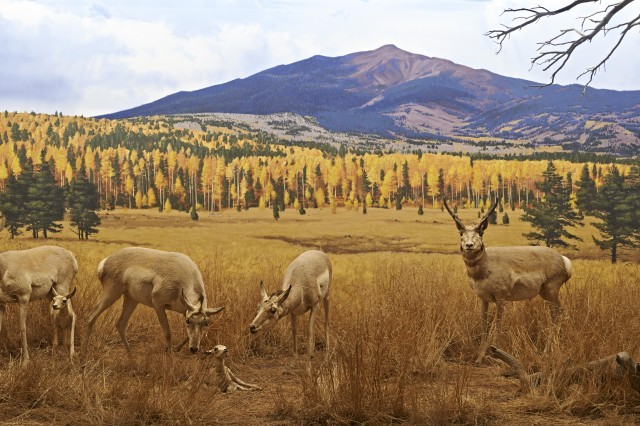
(500, 274)
(270, 309)
(159, 279)
(306, 283)
(197, 319)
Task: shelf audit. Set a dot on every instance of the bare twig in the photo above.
(555, 52)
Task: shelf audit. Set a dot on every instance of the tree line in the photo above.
(616, 205)
(34, 201)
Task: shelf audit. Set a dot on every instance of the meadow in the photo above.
(404, 331)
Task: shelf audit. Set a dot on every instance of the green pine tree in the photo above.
(615, 207)
(12, 202)
(83, 200)
(553, 213)
(276, 214)
(586, 193)
(194, 213)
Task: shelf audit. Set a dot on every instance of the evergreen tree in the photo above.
(586, 193)
(194, 213)
(406, 185)
(553, 213)
(614, 206)
(276, 214)
(83, 200)
(12, 206)
(505, 219)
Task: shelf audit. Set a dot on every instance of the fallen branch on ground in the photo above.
(616, 367)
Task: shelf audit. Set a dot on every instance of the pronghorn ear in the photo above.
(72, 293)
(201, 302)
(53, 290)
(263, 292)
(284, 295)
(211, 311)
(186, 303)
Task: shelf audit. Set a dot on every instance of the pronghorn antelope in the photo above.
(306, 283)
(159, 279)
(28, 275)
(63, 319)
(227, 381)
(499, 274)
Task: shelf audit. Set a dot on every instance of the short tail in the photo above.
(100, 270)
(567, 266)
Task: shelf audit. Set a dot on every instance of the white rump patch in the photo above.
(323, 283)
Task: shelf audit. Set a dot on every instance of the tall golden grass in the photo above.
(404, 331)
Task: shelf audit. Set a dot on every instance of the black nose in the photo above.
(469, 245)
(252, 328)
(193, 350)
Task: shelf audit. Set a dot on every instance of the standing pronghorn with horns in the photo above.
(500, 274)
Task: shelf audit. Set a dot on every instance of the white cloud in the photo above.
(93, 58)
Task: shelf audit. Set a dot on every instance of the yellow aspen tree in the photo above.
(139, 200)
(167, 206)
(129, 188)
(151, 198)
(319, 196)
(161, 182)
(4, 173)
(16, 168)
(68, 173)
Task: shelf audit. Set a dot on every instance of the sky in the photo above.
(97, 57)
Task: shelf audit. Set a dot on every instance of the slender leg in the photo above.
(54, 347)
(484, 345)
(164, 323)
(294, 333)
(128, 306)
(72, 333)
(24, 305)
(105, 302)
(311, 345)
(1, 314)
(326, 304)
(65, 338)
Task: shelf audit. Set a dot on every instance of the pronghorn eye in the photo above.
(187, 320)
(272, 310)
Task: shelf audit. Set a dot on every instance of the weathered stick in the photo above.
(615, 366)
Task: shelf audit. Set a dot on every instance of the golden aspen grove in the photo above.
(151, 163)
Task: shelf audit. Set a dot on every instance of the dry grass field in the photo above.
(405, 327)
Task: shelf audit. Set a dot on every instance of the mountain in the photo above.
(394, 93)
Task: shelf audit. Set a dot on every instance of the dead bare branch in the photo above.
(615, 367)
(552, 59)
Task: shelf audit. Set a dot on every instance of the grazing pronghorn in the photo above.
(63, 319)
(500, 274)
(306, 283)
(159, 279)
(28, 275)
